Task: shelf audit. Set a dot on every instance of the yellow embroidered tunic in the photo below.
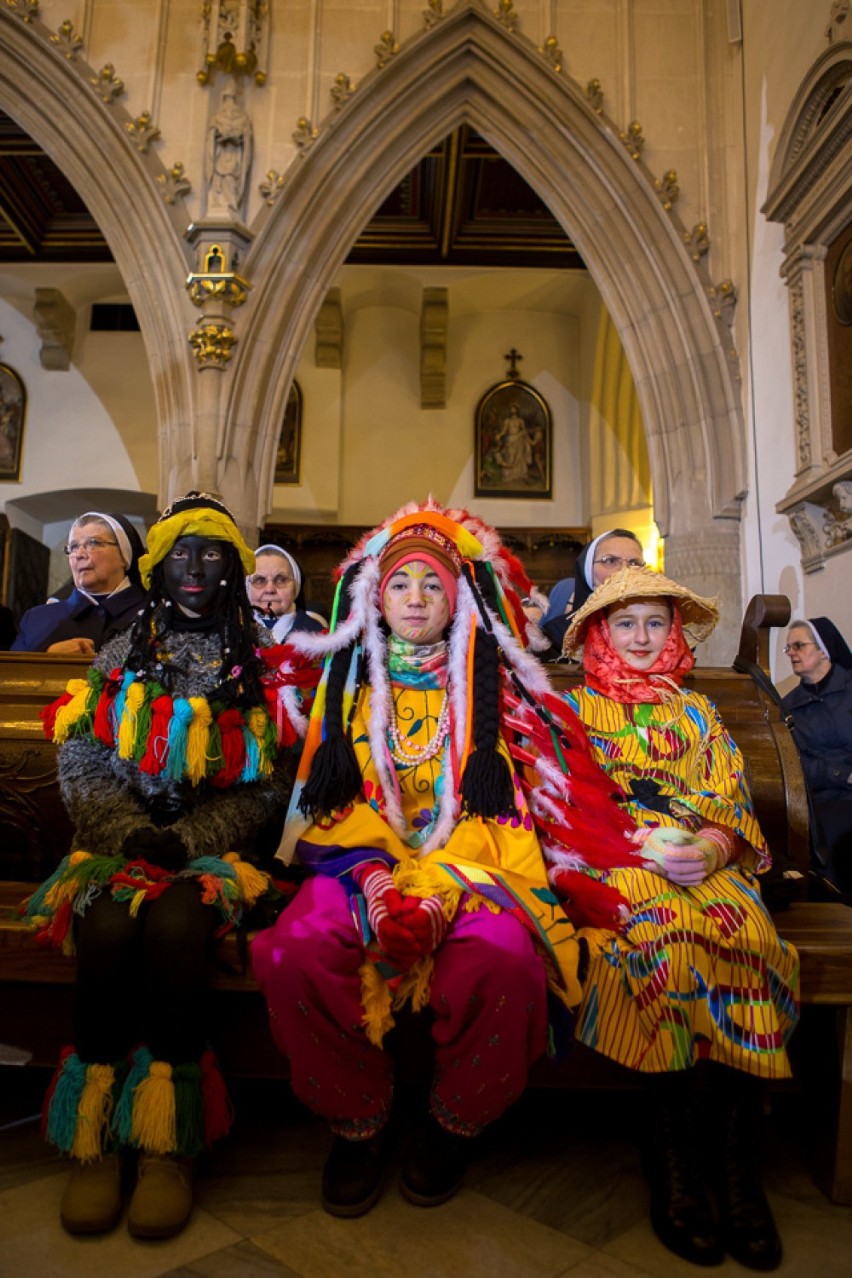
(700, 972)
(496, 863)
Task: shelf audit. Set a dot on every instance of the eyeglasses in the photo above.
(279, 582)
(615, 561)
(797, 647)
(89, 544)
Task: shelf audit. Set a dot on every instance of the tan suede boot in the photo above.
(162, 1200)
(91, 1203)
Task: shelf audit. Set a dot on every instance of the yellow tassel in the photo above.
(136, 901)
(376, 1002)
(474, 903)
(153, 1125)
(74, 710)
(197, 739)
(129, 719)
(93, 1113)
(257, 719)
(252, 882)
(415, 985)
(78, 856)
(413, 878)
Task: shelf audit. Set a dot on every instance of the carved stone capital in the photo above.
(328, 328)
(55, 321)
(434, 320)
(807, 521)
(707, 559)
(212, 344)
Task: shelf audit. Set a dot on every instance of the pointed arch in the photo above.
(468, 69)
(47, 94)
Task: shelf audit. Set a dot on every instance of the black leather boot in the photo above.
(681, 1214)
(434, 1164)
(748, 1228)
(353, 1174)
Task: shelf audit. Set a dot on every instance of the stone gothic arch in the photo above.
(48, 94)
(466, 69)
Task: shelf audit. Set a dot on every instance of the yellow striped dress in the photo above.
(699, 973)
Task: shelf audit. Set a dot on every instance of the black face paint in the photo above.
(192, 572)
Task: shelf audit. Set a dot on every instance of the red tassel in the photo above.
(49, 713)
(218, 1110)
(230, 724)
(154, 759)
(101, 725)
(587, 902)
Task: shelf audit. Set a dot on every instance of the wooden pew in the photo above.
(35, 984)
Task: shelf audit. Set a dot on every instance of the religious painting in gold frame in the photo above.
(13, 411)
(513, 442)
(288, 456)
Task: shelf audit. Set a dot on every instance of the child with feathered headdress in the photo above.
(437, 765)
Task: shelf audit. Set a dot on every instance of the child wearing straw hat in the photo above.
(698, 976)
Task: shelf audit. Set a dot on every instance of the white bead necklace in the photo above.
(400, 749)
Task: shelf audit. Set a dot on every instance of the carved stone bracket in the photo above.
(234, 41)
(434, 320)
(55, 321)
(219, 247)
(328, 328)
(807, 521)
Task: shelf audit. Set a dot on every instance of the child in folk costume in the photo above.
(169, 764)
(435, 755)
(699, 973)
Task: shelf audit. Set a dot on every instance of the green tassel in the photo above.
(189, 1109)
(122, 1119)
(61, 1123)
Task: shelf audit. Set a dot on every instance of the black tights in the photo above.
(143, 979)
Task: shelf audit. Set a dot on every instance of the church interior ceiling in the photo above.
(462, 205)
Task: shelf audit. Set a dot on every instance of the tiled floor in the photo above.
(554, 1190)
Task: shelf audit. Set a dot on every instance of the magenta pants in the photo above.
(488, 997)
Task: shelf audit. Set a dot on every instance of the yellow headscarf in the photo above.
(198, 520)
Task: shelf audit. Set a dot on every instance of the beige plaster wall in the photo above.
(781, 40)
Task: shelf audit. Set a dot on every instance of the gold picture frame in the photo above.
(513, 442)
(288, 457)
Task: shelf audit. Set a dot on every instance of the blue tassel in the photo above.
(117, 707)
(251, 767)
(122, 1119)
(178, 730)
(64, 1103)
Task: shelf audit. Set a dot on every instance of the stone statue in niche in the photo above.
(228, 156)
(838, 528)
